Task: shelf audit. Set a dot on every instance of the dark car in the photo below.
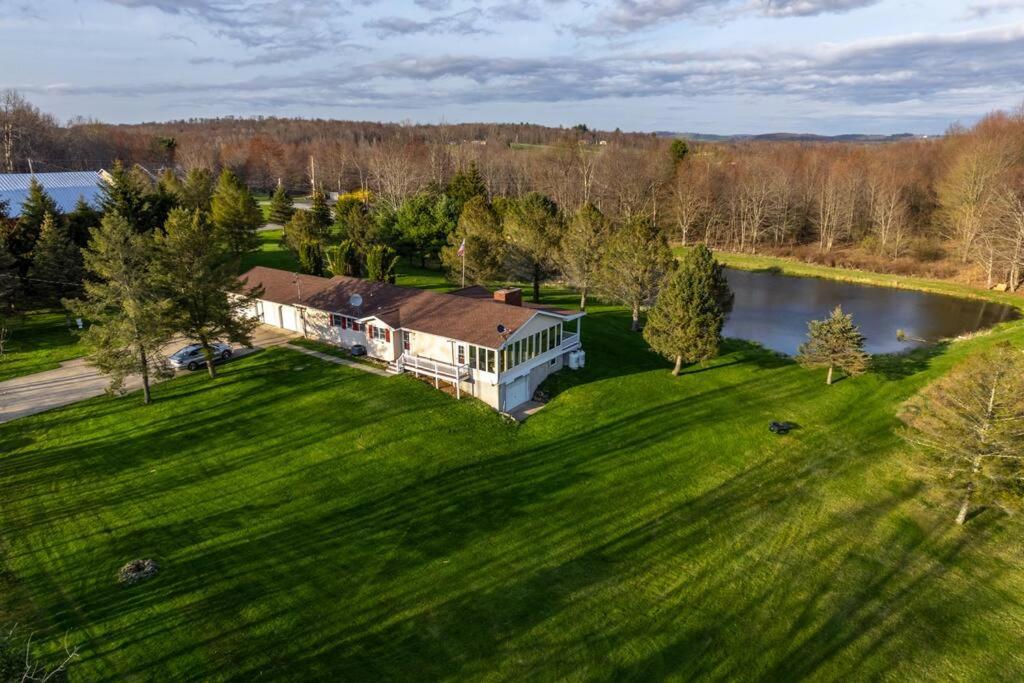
(357, 350)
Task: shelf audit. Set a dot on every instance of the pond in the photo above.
(773, 310)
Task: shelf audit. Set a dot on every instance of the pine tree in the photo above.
(236, 215)
(635, 263)
(380, 263)
(970, 425)
(582, 248)
(21, 241)
(10, 280)
(129, 194)
(311, 258)
(57, 269)
(465, 185)
(834, 343)
(197, 190)
(685, 323)
(480, 228)
(532, 229)
(281, 206)
(82, 221)
(128, 313)
(196, 272)
(319, 212)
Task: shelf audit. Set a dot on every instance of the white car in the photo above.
(192, 358)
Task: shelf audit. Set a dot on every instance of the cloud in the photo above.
(515, 10)
(631, 15)
(279, 30)
(434, 5)
(985, 8)
(464, 23)
(940, 71)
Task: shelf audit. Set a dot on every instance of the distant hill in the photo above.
(790, 137)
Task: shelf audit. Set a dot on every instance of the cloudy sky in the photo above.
(714, 66)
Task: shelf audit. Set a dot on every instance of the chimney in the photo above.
(513, 296)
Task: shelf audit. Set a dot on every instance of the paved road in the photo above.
(76, 381)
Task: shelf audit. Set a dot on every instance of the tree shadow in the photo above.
(897, 366)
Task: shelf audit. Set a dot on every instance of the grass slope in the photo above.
(37, 341)
(315, 521)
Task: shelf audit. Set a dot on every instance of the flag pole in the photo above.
(463, 267)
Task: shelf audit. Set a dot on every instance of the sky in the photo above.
(709, 66)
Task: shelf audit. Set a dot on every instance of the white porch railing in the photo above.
(570, 342)
(438, 370)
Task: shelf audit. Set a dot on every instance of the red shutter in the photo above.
(387, 335)
(344, 323)
(369, 331)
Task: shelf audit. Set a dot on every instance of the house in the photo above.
(65, 188)
(493, 346)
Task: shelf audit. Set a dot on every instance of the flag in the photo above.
(462, 248)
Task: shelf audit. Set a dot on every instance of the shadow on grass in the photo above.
(897, 366)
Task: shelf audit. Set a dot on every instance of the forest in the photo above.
(949, 207)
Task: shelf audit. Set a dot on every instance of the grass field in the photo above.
(313, 521)
(37, 341)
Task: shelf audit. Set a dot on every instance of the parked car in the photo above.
(192, 357)
(357, 350)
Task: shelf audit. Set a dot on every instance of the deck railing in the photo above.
(438, 370)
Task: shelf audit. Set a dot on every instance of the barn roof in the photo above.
(65, 188)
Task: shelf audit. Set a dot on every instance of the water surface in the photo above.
(774, 309)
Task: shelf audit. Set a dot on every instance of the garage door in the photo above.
(287, 318)
(517, 392)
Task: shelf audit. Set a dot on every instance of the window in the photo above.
(406, 343)
(462, 354)
(490, 360)
(472, 357)
(337, 320)
(551, 337)
(356, 326)
(380, 333)
(558, 335)
(544, 341)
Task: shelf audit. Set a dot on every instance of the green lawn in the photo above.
(37, 341)
(316, 522)
(271, 253)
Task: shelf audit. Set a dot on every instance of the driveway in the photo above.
(76, 381)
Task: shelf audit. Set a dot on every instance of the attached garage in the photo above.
(287, 317)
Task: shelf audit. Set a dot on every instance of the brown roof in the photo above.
(481, 292)
(469, 319)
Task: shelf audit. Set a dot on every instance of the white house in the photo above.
(494, 346)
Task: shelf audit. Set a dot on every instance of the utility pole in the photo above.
(312, 173)
(30, 170)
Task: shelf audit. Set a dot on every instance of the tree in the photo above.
(417, 223)
(970, 425)
(236, 214)
(128, 311)
(343, 259)
(685, 323)
(311, 258)
(319, 212)
(281, 206)
(56, 263)
(582, 248)
(834, 343)
(197, 274)
(678, 150)
(10, 281)
(466, 184)
(129, 193)
(479, 229)
(22, 239)
(82, 221)
(634, 266)
(196, 190)
(532, 229)
(380, 263)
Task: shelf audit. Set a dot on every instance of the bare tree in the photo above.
(968, 191)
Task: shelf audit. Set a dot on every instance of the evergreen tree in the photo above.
(582, 248)
(10, 279)
(127, 310)
(82, 221)
(196, 272)
(479, 229)
(311, 258)
(302, 229)
(380, 263)
(834, 343)
(129, 194)
(418, 226)
(970, 425)
(236, 214)
(532, 229)
(343, 259)
(685, 323)
(635, 263)
(57, 270)
(196, 191)
(464, 185)
(281, 206)
(678, 150)
(320, 212)
(21, 241)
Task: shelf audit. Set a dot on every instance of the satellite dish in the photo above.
(501, 329)
(356, 300)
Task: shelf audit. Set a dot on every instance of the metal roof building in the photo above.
(65, 188)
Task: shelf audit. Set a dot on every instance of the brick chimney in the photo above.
(513, 296)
